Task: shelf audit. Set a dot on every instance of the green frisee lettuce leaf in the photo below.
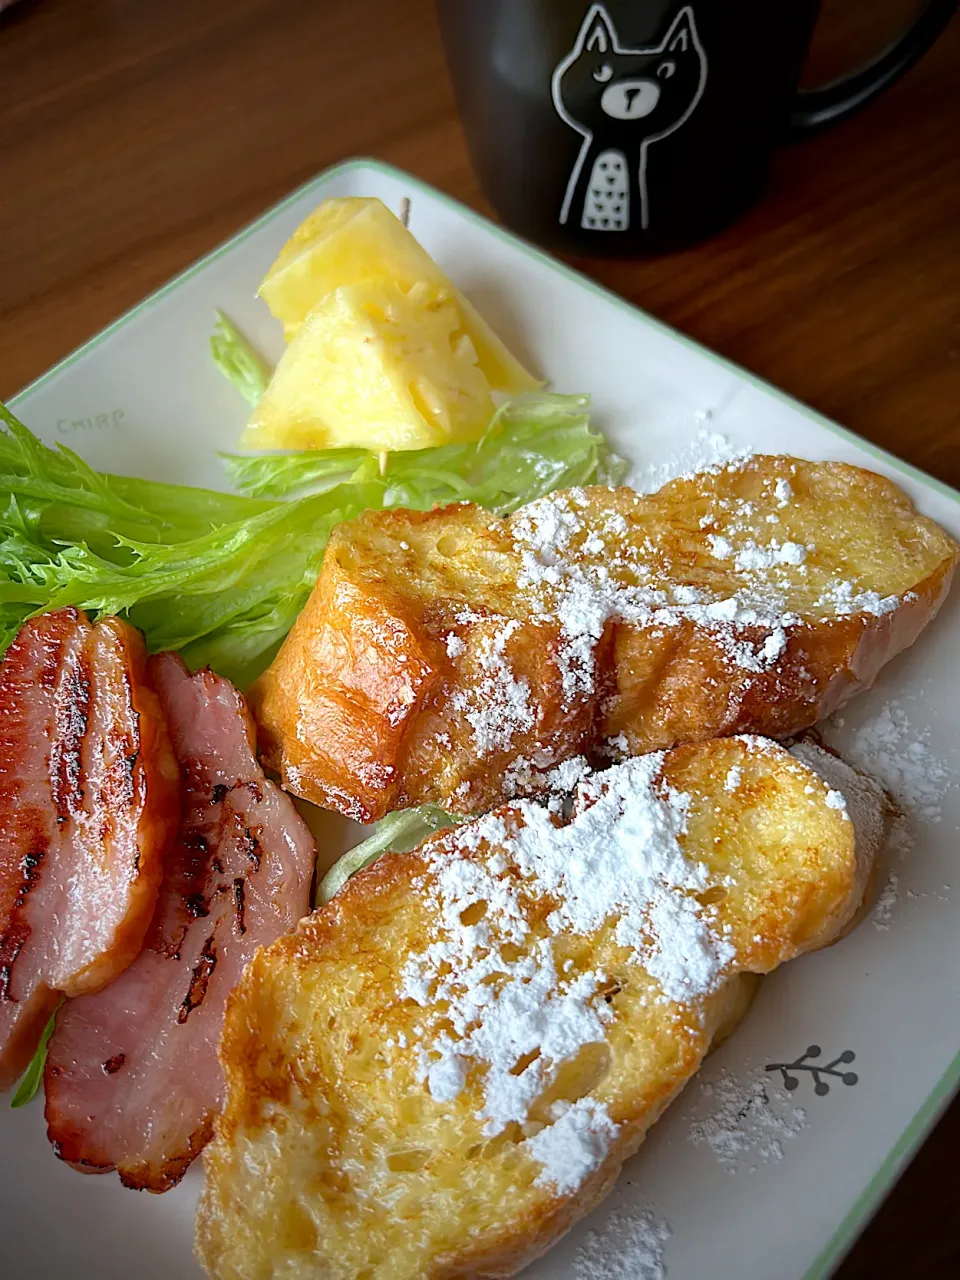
(237, 360)
(396, 833)
(535, 443)
(31, 1078)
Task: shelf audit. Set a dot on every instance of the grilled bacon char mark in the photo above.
(89, 800)
(132, 1080)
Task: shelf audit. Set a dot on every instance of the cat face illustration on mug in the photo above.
(621, 101)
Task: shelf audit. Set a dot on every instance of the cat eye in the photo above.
(666, 69)
(603, 73)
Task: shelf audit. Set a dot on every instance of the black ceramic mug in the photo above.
(638, 126)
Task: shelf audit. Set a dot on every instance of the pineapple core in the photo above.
(384, 351)
(379, 365)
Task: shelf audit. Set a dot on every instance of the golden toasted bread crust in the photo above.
(333, 1158)
(452, 658)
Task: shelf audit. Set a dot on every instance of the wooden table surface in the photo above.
(137, 134)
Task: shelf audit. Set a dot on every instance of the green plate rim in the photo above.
(912, 1136)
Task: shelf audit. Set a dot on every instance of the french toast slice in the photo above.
(442, 1069)
(451, 657)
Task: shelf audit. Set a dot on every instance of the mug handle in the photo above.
(815, 108)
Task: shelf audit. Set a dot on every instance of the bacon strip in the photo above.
(89, 796)
(132, 1080)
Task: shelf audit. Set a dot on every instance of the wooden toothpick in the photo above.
(404, 216)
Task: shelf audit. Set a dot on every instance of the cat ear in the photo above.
(597, 33)
(682, 36)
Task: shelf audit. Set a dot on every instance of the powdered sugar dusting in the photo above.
(748, 1123)
(720, 548)
(498, 706)
(505, 1009)
(503, 1014)
(751, 555)
(587, 560)
(629, 1246)
(621, 855)
(574, 1145)
(585, 565)
(843, 599)
(529, 776)
(584, 594)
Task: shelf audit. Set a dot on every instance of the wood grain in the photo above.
(135, 135)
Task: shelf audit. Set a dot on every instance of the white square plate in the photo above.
(144, 398)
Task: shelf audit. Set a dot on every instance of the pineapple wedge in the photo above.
(354, 239)
(379, 365)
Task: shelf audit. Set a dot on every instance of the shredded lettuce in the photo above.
(222, 577)
(31, 1078)
(396, 833)
(236, 359)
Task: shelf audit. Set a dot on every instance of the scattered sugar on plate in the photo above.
(900, 843)
(898, 754)
(749, 1122)
(707, 451)
(882, 913)
(629, 1246)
